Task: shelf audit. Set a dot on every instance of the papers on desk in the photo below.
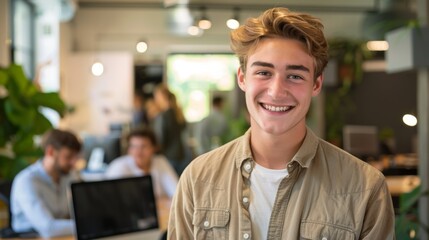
(402, 184)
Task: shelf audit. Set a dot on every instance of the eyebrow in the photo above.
(288, 67)
(297, 67)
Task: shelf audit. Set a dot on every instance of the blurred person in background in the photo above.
(142, 160)
(139, 118)
(39, 199)
(170, 127)
(152, 113)
(211, 128)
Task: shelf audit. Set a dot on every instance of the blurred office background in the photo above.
(100, 54)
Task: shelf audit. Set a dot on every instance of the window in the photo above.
(23, 35)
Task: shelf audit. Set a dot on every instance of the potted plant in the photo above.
(21, 120)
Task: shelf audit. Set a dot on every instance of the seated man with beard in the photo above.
(39, 192)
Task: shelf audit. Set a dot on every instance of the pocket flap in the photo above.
(211, 218)
(312, 230)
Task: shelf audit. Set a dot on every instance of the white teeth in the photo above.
(275, 109)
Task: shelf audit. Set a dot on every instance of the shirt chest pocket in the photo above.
(320, 231)
(211, 223)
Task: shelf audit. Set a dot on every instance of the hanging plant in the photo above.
(350, 56)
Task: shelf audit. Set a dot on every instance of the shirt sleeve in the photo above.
(379, 222)
(181, 214)
(35, 210)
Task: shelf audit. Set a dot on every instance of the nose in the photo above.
(277, 88)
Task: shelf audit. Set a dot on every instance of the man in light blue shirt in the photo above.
(39, 193)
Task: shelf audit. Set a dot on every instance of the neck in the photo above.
(276, 151)
(49, 167)
(144, 167)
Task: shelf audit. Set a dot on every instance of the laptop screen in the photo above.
(113, 207)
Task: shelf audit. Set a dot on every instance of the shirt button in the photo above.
(206, 223)
(247, 167)
(290, 165)
(246, 236)
(245, 200)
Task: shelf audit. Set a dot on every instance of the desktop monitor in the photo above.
(361, 141)
(109, 144)
(114, 207)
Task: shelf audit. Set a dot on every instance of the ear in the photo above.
(241, 80)
(49, 151)
(317, 86)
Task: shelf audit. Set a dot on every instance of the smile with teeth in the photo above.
(276, 108)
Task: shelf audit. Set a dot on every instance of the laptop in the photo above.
(115, 209)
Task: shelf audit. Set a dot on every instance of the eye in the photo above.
(263, 73)
(294, 77)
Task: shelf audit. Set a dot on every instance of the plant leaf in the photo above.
(3, 77)
(18, 114)
(19, 80)
(41, 124)
(24, 143)
(51, 100)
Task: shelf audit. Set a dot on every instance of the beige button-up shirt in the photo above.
(329, 194)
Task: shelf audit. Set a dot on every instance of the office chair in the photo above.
(5, 187)
(8, 232)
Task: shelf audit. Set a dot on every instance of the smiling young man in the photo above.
(279, 180)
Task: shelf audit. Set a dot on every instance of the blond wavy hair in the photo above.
(283, 23)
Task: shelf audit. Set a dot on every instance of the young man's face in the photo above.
(142, 150)
(279, 84)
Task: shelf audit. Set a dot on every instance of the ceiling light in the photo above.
(233, 23)
(194, 31)
(97, 69)
(409, 120)
(141, 47)
(204, 22)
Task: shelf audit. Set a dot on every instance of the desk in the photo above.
(163, 206)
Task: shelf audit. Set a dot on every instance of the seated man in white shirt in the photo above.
(142, 160)
(39, 199)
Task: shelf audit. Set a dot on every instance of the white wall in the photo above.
(99, 101)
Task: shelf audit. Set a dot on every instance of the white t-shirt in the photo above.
(264, 184)
(164, 178)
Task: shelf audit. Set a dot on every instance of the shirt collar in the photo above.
(304, 156)
(307, 151)
(244, 151)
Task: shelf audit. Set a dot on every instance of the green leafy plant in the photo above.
(407, 222)
(21, 120)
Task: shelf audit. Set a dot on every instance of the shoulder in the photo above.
(122, 162)
(28, 180)
(217, 162)
(347, 169)
(28, 174)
